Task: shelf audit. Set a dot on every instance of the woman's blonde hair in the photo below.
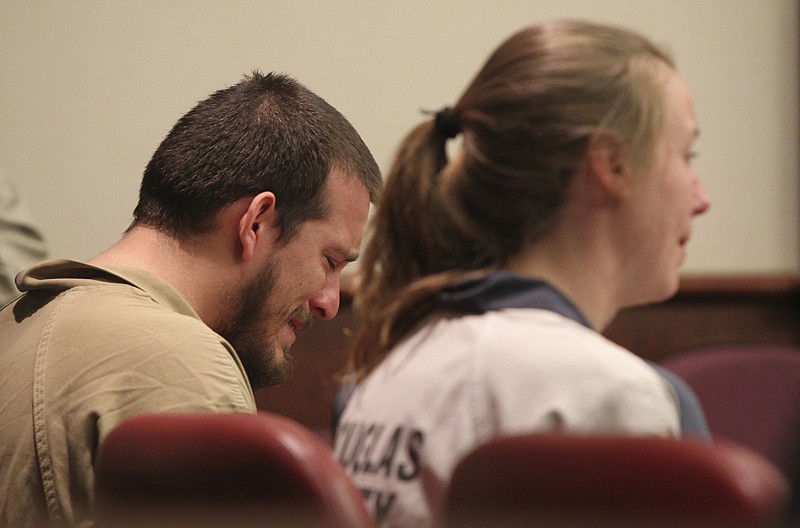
(527, 120)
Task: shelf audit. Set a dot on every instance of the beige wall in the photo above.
(89, 87)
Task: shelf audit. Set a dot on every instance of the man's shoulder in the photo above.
(96, 315)
(112, 300)
(126, 330)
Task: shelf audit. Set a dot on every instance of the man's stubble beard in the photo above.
(252, 331)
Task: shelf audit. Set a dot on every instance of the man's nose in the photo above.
(325, 303)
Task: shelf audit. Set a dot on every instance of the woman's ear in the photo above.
(608, 162)
(256, 223)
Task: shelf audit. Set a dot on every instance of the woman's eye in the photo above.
(691, 155)
(331, 263)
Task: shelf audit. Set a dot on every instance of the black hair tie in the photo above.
(447, 123)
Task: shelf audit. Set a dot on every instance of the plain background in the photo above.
(88, 88)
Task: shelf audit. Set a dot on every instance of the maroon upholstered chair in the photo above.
(750, 394)
(559, 480)
(233, 470)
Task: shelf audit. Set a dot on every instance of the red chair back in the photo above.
(750, 393)
(553, 480)
(205, 469)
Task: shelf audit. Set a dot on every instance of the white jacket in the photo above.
(459, 381)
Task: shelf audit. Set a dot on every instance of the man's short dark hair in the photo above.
(265, 133)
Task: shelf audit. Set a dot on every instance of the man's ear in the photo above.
(608, 162)
(257, 222)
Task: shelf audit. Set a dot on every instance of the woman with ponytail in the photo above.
(494, 266)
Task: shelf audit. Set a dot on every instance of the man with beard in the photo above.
(248, 211)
